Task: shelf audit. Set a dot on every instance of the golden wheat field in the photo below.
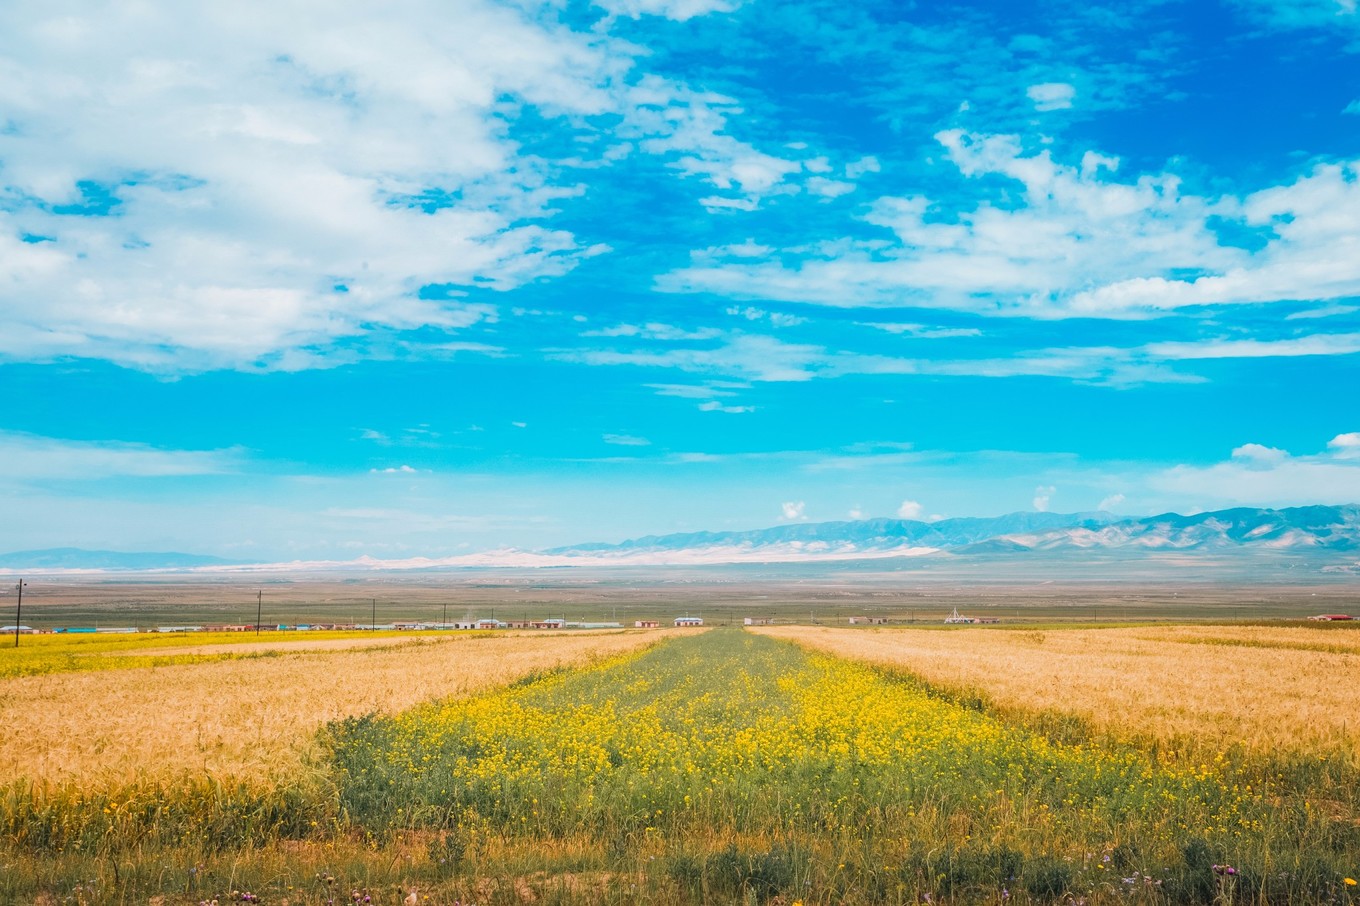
(682, 768)
(250, 715)
(1270, 689)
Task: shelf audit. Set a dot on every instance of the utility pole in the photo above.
(445, 624)
(19, 613)
(373, 623)
(259, 609)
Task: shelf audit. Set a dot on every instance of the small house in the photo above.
(685, 622)
(646, 624)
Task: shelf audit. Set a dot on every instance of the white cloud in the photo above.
(1078, 227)
(1346, 446)
(1084, 243)
(1258, 454)
(627, 440)
(680, 10)
(923, 332)
(665, 332)
(1042, 496)
(692, 391)
(715, 406)
(1051, 96)
(793, 510)
(394, 470)
(285, 183)
(1109, 504)
(1353, 107)
(856, 169)
(1313, 344)
(747, 356)
(1283, 480)
(856, 512)
(30, 457)
(909, 509)
(776, 318)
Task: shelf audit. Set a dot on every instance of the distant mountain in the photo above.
(1328, 535)
(1306, 528)
(76, 558)
(1311, 528)
(861, 535)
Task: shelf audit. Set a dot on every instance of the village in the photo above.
(482, 624)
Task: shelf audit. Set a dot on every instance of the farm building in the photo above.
(1331, 617)
(868, 621)
(689, 621)
(755, 621)
(646, 624)
(550, 623)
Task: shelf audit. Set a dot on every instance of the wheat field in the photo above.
(254, 718)
(1268, 689)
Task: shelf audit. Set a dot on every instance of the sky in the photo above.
(294, 280)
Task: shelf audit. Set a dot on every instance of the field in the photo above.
(1198, 763)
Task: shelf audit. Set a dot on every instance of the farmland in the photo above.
(825, 766)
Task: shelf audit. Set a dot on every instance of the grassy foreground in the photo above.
(722, 768)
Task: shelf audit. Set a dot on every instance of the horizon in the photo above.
(451, 279)
(1040, 534)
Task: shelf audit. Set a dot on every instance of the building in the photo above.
(755, 621)
(1331, 617)
(646, 624)
(550, 623)
(682, 622)
(868, 621)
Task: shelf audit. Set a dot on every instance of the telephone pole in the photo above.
(19, 613)
(373, 623)
(259, 609)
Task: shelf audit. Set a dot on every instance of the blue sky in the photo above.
(280, 283)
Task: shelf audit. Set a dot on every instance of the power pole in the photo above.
(259, 609)
(373, 623)
(19, 613)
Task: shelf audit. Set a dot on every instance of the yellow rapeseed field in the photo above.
(1270, 689)
(254, 717)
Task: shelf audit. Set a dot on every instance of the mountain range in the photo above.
(1309, 528)
(65, 558)
(1329, 532)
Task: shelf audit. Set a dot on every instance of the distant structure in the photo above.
(646, 624)
(876, 621)
(681, 622)
(957, 617)
(1331, 617)
(756, 621)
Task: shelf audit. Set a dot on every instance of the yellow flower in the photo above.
(1350, 882)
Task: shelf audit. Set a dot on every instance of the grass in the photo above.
(722, 767)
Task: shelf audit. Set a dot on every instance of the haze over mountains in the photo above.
(1331, 533)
